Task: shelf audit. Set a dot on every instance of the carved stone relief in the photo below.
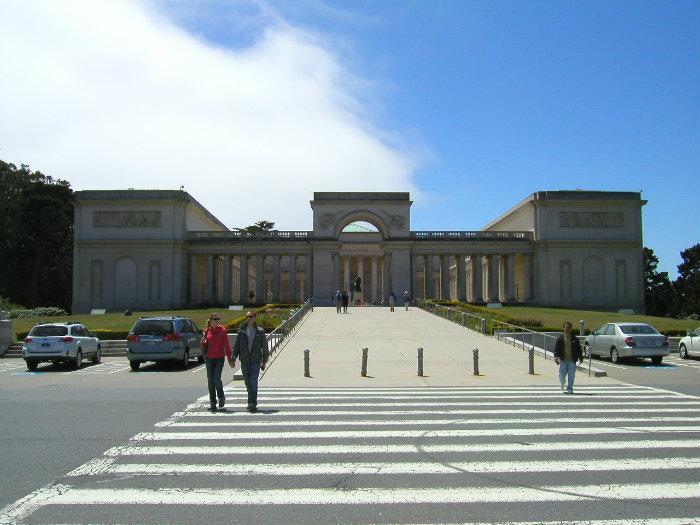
(126, 219)
(591, 219)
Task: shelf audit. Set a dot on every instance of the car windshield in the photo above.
(633, 329)
(153, 327)
(49, 330)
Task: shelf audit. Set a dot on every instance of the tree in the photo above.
(258, 227)
(36, 237)
(688, 282)
(659, 293)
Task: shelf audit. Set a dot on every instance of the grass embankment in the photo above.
(551, 319)
(117, 326)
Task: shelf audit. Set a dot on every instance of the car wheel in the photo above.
(78, 360)
(657, 359)
(31, 365)
(98, 356)
(185, 359)
(614, 355)
(683, 351)
(134, 365)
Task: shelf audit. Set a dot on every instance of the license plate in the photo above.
(44, 345)
(151, 343)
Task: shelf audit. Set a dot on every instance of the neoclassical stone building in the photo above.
(162, 249)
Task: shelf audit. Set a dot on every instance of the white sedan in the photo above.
(690, 344)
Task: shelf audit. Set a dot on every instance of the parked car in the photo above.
(60, 342)
(620, 340)
(690, 344)
(163, 339)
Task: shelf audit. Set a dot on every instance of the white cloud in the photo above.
(112, 95)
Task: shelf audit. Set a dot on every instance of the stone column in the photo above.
(374, 278)
(227, 280)
(293, 278)
(210, 279)
(527, 272)
(276, 278)
(461, 278)
(193, 279)
(260, 281)
(488, 278)
(346, 272)
(445, 277)
(510, 279)
(414, 276)
(477, 279)
(502, 278)
(386, 275)
(308, 289)
(429, 283)
(243, 279)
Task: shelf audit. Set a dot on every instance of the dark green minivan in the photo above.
(163, 339)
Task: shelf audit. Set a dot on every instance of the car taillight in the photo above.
(132, 337)
(172, 337)
(67, 339)
(629, 341)
(665, 343)
(27, 339)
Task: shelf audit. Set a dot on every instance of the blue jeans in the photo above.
(567, 368)
(251, 373)
(215, 366)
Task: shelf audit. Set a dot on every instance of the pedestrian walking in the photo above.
(346, 300)
(251, 348)
(251, 295)
(406, 299)
(338, 300)
(215, 347)
(567, 350)
(392, 301)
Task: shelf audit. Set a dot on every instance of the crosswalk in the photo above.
(609, 455)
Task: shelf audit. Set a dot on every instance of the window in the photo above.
(77, 331)
(153, 327)
(610, 329)
(636, 329)
(49, 331)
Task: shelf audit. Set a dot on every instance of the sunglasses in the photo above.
(216, 318)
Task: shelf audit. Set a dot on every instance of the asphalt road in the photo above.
(106, 445)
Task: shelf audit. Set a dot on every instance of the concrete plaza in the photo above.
(335, 342)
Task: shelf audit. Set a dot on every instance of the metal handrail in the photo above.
(282, 333)
(534, 335)
(471, 321)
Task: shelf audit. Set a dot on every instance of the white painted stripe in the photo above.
(418, 422)
(563, 431)
(409, 399)
(239, 413)
(573, 401)
(107, 466)
(627, 521)
(431, 392)
(370, 496)
(302, 389)
(20, 509)
(133, 450)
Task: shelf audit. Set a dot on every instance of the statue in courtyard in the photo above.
(358, 284)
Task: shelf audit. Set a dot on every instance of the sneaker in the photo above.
(570, 391)
(213, 408)
(222, 402)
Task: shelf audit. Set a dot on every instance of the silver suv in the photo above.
(60, 342)
(163, 339)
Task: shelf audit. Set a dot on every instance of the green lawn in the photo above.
(117, 324)
(555, 317)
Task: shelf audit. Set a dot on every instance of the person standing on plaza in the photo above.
(567, 350)
(338, 300)
(251, 348)
(215, 347)
(406, 299)
(346, 300)
(392, 301)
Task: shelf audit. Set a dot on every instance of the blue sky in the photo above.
(513, 97)
(471, 106)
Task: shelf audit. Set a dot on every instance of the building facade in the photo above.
(151, 250)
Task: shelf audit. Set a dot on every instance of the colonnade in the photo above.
(249, 277)
(372, 268)
(473, 277)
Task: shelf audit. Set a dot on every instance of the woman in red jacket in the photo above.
(216, 347)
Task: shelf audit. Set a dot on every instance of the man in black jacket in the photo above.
(252, 349)
(567, 350)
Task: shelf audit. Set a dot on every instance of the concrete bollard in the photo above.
(364, 362)
(531, 361)
(483, 326)
(420, 362)
(475, 353)
(582, 328)
(307, 372)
